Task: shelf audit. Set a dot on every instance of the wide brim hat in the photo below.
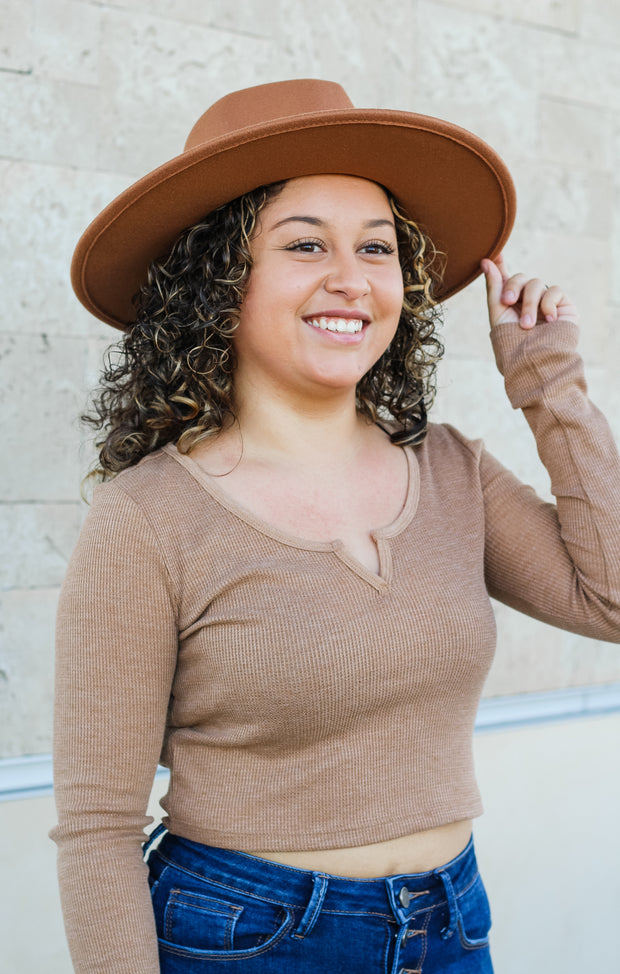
(444, 177)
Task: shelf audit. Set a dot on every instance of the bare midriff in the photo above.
(416, 853)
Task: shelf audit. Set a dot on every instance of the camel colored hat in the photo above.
(445, 178)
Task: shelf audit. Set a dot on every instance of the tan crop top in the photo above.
(301, 701)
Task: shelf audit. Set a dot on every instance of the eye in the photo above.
(306, 246)
(378, 247)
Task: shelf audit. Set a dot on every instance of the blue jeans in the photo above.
(219, 910)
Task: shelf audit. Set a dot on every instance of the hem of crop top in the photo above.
(320, 839)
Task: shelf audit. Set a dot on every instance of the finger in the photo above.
(555, 303)
(513, 288)
(500, 263)
(494, 284)
(531, 300)
(507, 288)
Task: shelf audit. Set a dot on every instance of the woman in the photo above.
(285, 590)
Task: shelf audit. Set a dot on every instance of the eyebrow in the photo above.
(317, 222)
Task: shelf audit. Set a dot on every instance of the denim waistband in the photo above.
(400, 896)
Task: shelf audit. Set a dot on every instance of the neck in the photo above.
(304, 432)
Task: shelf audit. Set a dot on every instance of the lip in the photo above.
(334, 337)
(339, 313)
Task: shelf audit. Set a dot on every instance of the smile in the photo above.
(343, 325)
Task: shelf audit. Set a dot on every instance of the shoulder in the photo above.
(155, 484)
(154, 473)
(449, 462)
(444, 441)
(155, 498)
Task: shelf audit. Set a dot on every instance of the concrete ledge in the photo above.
(523, 709)
(31, 777)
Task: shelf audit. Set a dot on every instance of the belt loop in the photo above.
(155, 834)
(446, 932)
(311, 914)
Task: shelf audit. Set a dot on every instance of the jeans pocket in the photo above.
(203, 919)
(202, 922)
(474, 915)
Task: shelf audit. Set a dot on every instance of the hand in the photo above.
(527, 302)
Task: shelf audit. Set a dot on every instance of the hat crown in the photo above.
(266, 103)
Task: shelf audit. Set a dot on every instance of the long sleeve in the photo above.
(559, 563)
(116, 654)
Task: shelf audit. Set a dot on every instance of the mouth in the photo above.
(342, 326)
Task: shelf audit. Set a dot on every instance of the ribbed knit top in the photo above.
(300, 701)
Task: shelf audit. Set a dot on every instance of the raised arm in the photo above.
(560, 563)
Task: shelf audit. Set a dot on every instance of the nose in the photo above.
(347, 276)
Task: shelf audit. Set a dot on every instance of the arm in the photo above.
(559, 563)
(116, 653)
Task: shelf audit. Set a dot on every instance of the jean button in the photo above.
(405, 897)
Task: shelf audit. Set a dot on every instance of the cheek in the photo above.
(391, 302)
(394, 301)
(391, 289)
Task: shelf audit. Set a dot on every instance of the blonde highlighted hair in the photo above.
(171, 377)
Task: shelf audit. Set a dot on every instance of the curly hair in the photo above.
(171, 377)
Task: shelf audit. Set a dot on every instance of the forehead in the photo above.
(332, 193)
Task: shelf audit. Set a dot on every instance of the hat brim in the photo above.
(447, 179)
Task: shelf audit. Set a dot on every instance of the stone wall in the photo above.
(95, 93)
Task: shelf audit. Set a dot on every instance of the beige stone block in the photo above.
(16, 52)
(532, 656)
(42, 397)
(600, 22)
(478, 72)
(471, 397)
(97, 351)
(244, 17)
(465, 331)
(45, 211)
(158, 76)
(48, 121)
(527, 657)
(36, 541)
(26, 670)
(562, 15)
(369, 49)
(589, 662)
(563, 205)
(560, 198)
(579, 263)
(615, 249)
(66, 40)
(607, 395)
(575, 135)
(334, 41)
(580, 71)
(96, 361)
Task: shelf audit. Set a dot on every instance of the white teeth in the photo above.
(348, 325)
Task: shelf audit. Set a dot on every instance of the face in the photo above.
(325, 291)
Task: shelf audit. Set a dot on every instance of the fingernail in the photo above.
(508, 295)
(549, 318)
(526, 320)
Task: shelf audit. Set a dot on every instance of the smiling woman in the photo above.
(283, 590)
(345, 277)
(172, 379)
